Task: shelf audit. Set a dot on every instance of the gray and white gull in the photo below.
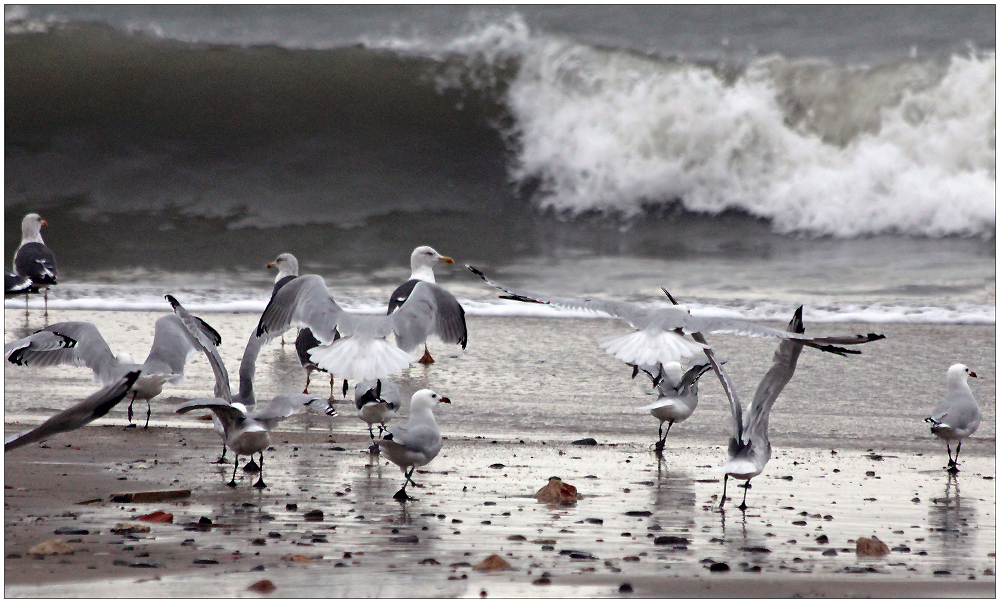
(355, 346)
(81, 344)
(422, 262)
(33, 259)
(245, 433)
(418, 441)
(957, 416)
(659, 335)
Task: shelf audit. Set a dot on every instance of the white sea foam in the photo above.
(253, 302)
(907, 147)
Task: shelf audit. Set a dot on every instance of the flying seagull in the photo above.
(361, 351)
(245, 433)
(659, 335)
(94, 407)
(81, 344)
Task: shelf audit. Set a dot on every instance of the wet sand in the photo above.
(519, 402)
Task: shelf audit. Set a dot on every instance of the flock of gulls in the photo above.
(666, 343)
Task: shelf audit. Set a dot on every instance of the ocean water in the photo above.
(748, 158)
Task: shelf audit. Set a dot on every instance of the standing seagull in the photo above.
(957, 416)
(377, 401)
(749, 447)
(33, 259)
(659, 332)
(678, 395)
(245, 433)
(81, 344)
(288, 269)
(354, 346)
(94, 407)
(416, 443)
(422, 262)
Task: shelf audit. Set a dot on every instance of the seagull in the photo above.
(418, 441)
(957, 416)
(361, 350)
(288, 269)
(678, 395)
(245, 432)
(659, 331)
(94, 407)
(81, 344)
(33, 259)
(14, 284)
(422, 262)
(749, 447)
(377, 401)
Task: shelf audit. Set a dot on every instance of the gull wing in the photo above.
(173, 346)
(51, 346)
(228, 414)
(282, 407)
(639, 317)
(207, 344)
(786, 358)
(95, 406)
(306, 302)
(429, 309)
(375, 390)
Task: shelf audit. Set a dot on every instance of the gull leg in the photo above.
(401, 495)
(953, 464)
(260, 481)
(46, 296)
(331, 387)
(149, 411)
(222, 459)
(426, 358)
(345, 387)
(663, 437)
(305, 390)
(236, 465)
(725, 482)
(743, 505)
(951, 461)
(130, 423)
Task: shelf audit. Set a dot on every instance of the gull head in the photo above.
(426, 399)
(960, 373)
(427, 256)
(286, 264)
(31, 227)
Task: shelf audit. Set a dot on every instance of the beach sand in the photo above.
(852, 457)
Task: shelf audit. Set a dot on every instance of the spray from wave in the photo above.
(906, 147)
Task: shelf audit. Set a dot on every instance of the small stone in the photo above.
(71, 531)
(314, 515)
(586, 442)
(430, 561)
(517, 537)
(410, 539)
(205, 562)
(263, 587)
(719, 566)
(291, 507)
(157, 517)
(830, 553)
(130, 528)
(625, 588)
(51, 547)
(671, 540)
(493, 563)
(822, 539)
(258, 542)
(557, 492)
(872, 547)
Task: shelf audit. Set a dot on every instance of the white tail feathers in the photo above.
(644, 348)
(360, 359)
(658, 404)
(739, 468)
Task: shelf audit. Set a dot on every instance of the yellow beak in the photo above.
(446, 260)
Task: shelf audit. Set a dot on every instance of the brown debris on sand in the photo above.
(150, 497)
(263, 587)
(871, 547)
(51, 547)
(493, 563)
(157, 517)
(557, 492)
(129, 528)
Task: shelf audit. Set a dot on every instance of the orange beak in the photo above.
(44, 223)
(270, 265)
(446, 260)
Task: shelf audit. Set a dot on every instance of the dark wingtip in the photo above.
(476, 271)
(131, 377)
(670, 297)
(173, 301)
